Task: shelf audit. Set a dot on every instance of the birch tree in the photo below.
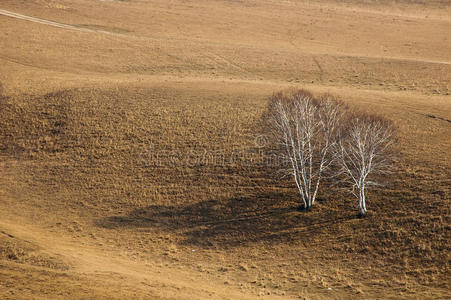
(305, 129)
(364, 148)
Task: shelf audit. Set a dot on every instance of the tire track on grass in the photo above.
(55, 24)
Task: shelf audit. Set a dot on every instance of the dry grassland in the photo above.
(130, 159)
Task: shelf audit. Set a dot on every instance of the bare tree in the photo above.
(364, 149)
(306, 129)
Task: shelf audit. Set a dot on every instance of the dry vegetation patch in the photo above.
(134, 164)
(24, 252)
(138, 168)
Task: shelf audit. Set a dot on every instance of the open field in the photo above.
(129, 135)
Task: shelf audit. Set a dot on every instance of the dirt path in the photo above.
(106, 265)
(51, 23)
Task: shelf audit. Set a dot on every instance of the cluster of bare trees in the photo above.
(320, 136)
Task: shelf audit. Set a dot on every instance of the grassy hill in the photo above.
(130, 153)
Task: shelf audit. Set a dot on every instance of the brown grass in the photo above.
(129, 164)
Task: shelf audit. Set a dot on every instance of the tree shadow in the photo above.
(232, 222)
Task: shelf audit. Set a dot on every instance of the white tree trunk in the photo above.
(364, 148)
(362, 200)
(306, 129)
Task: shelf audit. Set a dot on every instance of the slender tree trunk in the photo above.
(362, 201)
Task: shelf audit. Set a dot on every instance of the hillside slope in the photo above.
(129, 153)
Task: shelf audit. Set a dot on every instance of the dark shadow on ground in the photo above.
(234, 221)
